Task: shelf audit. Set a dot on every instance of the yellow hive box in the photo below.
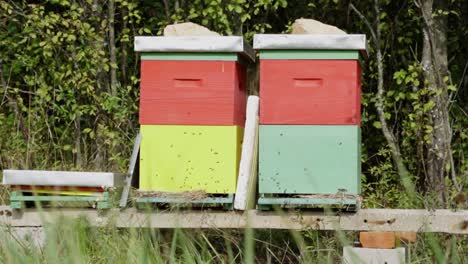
(187, 158)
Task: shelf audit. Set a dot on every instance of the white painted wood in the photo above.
(247, 178)
(194, 44)
(62, 178)
(131, 170)
(357, 255)
(418, 220)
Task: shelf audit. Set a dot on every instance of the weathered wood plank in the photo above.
(131, 169)
(418, 220)
(246, 181)
(62, 178)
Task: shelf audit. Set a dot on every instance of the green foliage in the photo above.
(57, 99)
(58, 110)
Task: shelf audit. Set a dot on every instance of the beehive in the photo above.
(192, 112)
(309, 139)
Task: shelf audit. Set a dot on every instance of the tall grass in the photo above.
(75, 241)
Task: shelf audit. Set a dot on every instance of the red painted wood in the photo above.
(56, 188)
(192, 93)
(310, 92)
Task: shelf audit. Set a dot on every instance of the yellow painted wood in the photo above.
(186, 158)
(56, 192)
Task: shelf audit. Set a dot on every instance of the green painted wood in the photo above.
(203, 56)
(309, 159)
(229, 199)
(57, 198)
(14, 204)
(310, 54)
(305, 201)
(104, 202)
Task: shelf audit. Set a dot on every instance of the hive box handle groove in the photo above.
(187, 83)
(312, 83)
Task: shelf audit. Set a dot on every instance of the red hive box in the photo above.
(192, 92)
(310, 92)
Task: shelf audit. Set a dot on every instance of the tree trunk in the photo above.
(98, 148)
(123, 53)
(435, 69)
(113, 61)
(78, 158)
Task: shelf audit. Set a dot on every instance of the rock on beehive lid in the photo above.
(188, 29)
(311, 26)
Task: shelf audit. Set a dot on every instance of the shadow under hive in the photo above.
(309, 140)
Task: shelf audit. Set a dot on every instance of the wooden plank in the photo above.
(58, 190)
(199, 56)
(377, 239)
(309, 54)
(247, 179)
(36, 188)
(418, 220)
(58, 198)
(176, 200)
(306, 201)
(62, 178)
(130, 172)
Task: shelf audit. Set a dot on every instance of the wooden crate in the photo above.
(318, 160)
(310, 88)
(188, 158)
(192, 89)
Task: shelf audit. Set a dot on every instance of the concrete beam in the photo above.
(418, 220)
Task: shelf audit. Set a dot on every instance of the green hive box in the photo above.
(309, 159)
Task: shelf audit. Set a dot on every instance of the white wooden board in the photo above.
(247, 179)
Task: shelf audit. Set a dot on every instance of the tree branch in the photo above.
(388, 134)
(113, 60)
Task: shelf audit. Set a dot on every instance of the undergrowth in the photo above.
(75, 241)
